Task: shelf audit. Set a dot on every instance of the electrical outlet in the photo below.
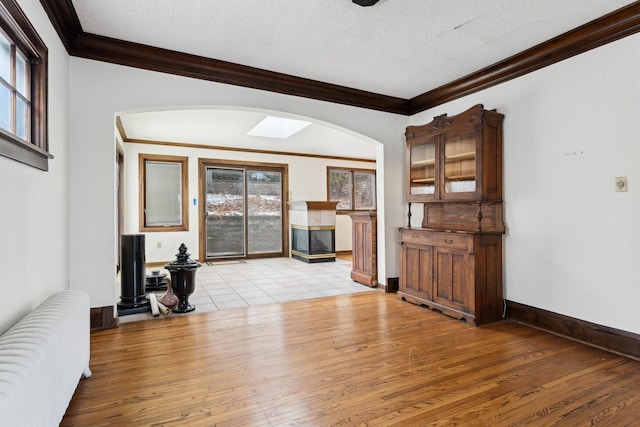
(621, 184)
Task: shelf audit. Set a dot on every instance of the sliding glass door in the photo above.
(264, 212)
(243, 212)
(225, 208)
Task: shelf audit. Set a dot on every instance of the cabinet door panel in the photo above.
(426, 273)
(416, 271)
(451, 284)
(460, 164)
(423, 169)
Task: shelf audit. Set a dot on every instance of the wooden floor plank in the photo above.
(363, 359)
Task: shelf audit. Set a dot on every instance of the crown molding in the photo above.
(91, 46)
(614, 26)
(64, 18)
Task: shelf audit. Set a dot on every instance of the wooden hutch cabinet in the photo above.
(453, 263)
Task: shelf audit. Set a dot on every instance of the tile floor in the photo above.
(233, 284)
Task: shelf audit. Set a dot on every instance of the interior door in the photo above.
(120, 195)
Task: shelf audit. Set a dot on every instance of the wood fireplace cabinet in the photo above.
(364, 248)
(453, 262)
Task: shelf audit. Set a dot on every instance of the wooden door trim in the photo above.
(203, 163)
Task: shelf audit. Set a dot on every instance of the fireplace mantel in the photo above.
(306, 205)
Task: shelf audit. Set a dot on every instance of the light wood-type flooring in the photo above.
(364, 359)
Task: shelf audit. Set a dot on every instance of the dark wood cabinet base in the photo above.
(460, 315)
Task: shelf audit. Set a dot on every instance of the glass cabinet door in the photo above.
(460, 164)
(422, 164)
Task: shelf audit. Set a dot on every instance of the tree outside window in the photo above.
(364, 190)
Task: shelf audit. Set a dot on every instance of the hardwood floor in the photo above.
(362, 359)
(345, 255)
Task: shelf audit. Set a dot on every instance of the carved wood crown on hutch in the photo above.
(473, 115)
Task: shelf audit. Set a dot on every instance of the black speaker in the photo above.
(132, 275)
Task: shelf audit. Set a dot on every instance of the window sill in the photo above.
(163, 229)
(23, 152)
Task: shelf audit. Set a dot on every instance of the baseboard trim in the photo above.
(392, 286)
(614, 340)
(157, 264)
(103, 318)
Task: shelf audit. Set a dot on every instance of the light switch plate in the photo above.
(621, 184)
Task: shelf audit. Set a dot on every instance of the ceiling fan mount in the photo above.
(365, 2)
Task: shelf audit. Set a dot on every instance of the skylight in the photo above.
(278, 127)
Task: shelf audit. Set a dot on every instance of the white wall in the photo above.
(569, 130)
(307, 181)
(99, 90)
(34, 221)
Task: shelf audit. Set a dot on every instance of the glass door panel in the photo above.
(225, 212)
(423, 168)
(460, 164)
(264, 212)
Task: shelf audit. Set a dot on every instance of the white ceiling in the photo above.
(399, 48)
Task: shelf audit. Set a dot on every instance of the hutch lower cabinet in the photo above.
(458, 273)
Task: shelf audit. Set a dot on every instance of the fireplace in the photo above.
(313, 228)
(313, 244)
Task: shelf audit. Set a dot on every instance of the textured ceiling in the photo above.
(398, 48)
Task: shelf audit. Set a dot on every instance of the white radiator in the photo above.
(42, 358)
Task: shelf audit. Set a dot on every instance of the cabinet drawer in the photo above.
(415, 236)
(451, 240)
(435, 238)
